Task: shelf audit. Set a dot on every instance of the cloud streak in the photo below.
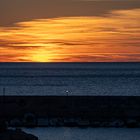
(113, 37)
(27, 10)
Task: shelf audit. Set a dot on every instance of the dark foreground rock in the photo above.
(16, 135)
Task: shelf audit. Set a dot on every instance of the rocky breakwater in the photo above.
(17, 134)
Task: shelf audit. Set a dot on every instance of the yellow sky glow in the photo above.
(114, 37)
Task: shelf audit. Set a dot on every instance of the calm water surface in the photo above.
(70, 78)
(64, 133)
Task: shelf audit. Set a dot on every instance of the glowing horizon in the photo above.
(110, 38)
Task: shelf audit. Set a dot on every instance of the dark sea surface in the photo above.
(70, 78)
(66, 133)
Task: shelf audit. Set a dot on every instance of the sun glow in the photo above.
(41, 56)
(115, 37)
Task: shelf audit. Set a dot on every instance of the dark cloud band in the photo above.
(25, 10)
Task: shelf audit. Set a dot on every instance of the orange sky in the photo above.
(113, 37)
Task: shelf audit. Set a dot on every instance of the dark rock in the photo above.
(130, 123)
(30, 120)
(15, 122)
(16, 135)
(3, 126)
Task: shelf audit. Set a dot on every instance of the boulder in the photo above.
(131, 123)
(3, 126)
(17, 134)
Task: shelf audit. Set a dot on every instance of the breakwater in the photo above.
(117, 111)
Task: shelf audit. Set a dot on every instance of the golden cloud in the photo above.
(114, 37)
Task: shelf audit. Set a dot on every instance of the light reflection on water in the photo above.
(66, 133)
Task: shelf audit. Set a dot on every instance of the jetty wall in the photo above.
(69, 110)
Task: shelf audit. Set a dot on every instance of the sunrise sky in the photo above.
(70, 30)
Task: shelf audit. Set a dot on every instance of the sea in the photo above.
(73, 79)
(70, 79)
(67, 133)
